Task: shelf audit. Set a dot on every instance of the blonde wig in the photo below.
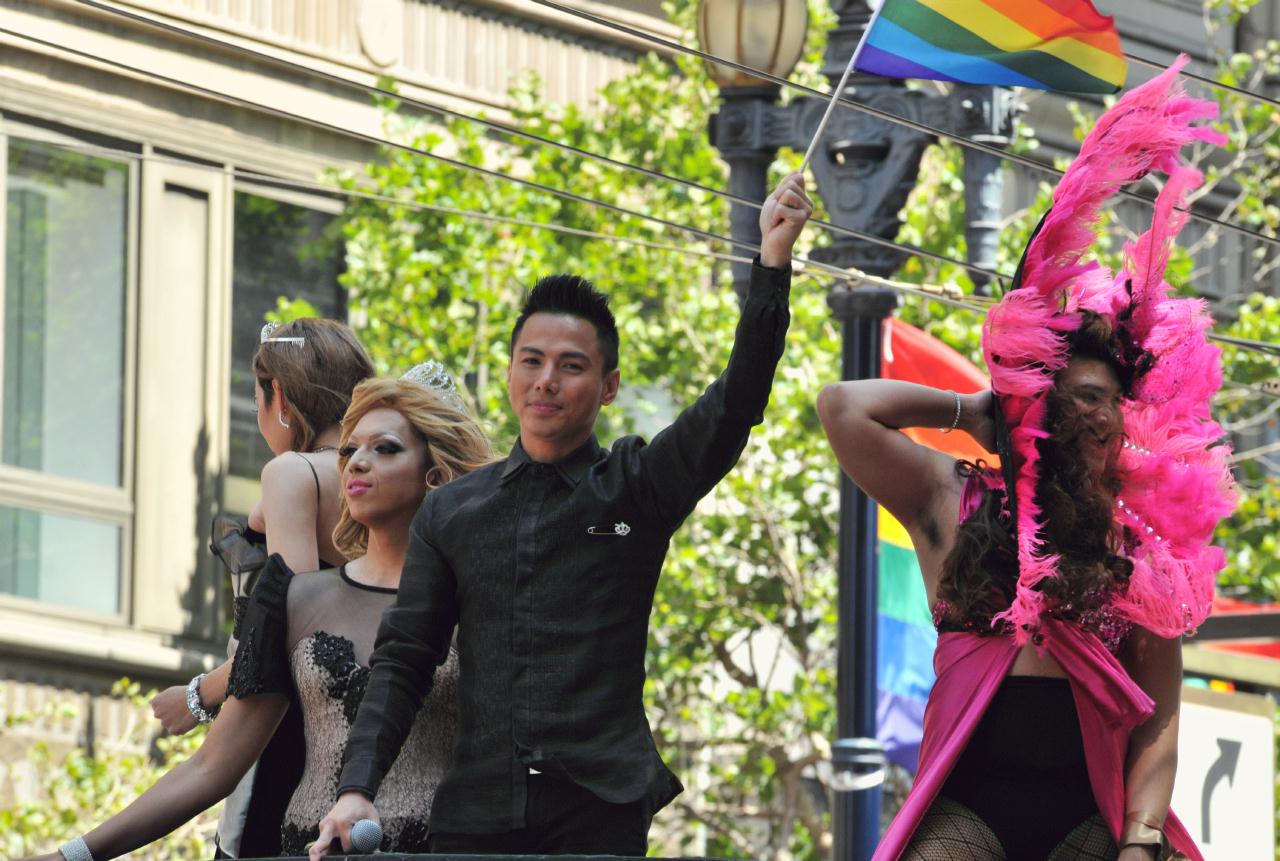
(455, 442)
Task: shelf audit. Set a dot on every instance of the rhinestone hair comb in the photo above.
(265, 337)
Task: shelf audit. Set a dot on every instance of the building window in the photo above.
(64, 291)
(60, 559)
(66, 223)
(285, 246)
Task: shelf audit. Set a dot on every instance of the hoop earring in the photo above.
(280, 418)
(434, 476)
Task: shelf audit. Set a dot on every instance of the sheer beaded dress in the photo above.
(313, 633)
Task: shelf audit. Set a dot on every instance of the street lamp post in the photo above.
(767, 35)
(748, 154)
(864, 169)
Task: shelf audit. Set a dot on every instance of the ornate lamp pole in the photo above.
(767, 35)
(864, 169)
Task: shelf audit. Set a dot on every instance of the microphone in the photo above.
(366, 836)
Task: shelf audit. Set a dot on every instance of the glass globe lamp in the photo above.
(764, 34)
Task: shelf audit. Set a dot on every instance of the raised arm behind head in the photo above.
(917, 485)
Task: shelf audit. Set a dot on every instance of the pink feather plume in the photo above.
(1176, 482)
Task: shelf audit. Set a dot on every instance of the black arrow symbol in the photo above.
(1225, 766)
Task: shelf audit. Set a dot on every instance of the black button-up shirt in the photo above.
(548, 570)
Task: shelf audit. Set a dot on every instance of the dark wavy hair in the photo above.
(980, 574)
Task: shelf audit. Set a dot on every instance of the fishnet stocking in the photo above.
(952, 832)
(1088, 841)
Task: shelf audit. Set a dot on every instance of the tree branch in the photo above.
(1253, 453)
(739, 675)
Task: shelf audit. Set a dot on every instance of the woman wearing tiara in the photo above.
(1062, 582)
(304, 372)
(309, 637)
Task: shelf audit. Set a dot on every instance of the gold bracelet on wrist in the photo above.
(1140, 830)
(1148, 819)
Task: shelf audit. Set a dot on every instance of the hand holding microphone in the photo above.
(366, 836)
(354, 817)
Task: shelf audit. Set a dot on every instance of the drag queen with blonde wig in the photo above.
(1062, 581)
(307, 638)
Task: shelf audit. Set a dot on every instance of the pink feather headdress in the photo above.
(1175, 478)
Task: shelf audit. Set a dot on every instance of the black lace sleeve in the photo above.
(262, 660)
(238, 547)
(242, 551)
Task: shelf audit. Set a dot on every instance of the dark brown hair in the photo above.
(316, 376)
(980, 574)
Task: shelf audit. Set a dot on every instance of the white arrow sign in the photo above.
(1225, 790)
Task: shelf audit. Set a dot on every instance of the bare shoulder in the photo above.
(291, 466)
(287, 475)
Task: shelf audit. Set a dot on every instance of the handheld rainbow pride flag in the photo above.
(1062, 45)
(905, 636)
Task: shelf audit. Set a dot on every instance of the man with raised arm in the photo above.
(546, 564)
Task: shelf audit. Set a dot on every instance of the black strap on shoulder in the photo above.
(314, 475)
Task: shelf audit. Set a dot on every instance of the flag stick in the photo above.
(844, 79)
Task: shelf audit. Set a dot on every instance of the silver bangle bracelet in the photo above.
(955, 421)
(197, 709)
(76, 850)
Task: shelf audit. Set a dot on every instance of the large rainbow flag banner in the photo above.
(905, 634)
(1062, 45)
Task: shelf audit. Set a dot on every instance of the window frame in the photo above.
(31, 490)
(241, 493)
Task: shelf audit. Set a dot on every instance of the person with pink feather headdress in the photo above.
(1062, 581)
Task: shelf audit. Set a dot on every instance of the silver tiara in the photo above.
(265, 337)
(432, 375)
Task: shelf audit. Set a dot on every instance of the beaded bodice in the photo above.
(332, 624)
(1100, 619)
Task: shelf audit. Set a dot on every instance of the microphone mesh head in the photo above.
(366, 836)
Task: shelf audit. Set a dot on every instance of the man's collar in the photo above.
(571, 468)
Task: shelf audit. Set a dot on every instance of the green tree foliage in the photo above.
(1250, 400)
(1250, 534)
(80, 788)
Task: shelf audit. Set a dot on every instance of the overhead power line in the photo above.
(842, 274)
(832, 277)
(320, 188)
(875, 112)
(703, 234)
(371, 139)
(515, 132)
(1219, 85)
(1249, 344)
